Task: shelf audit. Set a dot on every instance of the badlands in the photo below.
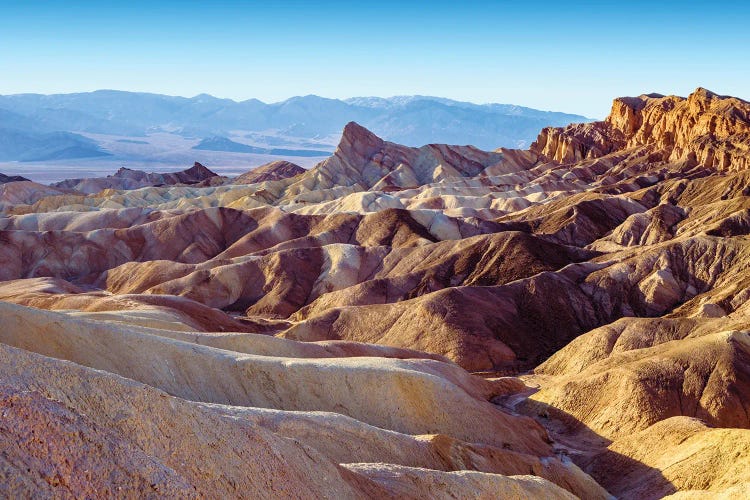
(566, 321)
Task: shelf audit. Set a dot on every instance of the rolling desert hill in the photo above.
(569, 320)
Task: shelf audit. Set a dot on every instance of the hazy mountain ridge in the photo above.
(412, 120)
(585, 299)
(20, 145)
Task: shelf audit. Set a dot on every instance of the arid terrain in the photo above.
(571, 320)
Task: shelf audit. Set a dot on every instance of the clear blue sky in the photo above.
(566, 56)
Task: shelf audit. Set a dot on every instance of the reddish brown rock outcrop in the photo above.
(602, 275)
(704, 129)
(126, 178)
(274, 171)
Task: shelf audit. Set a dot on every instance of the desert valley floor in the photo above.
(565, 321)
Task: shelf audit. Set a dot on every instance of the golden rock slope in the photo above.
(315, 334)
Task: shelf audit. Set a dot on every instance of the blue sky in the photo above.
(564, 56)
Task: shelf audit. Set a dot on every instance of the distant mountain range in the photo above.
(27, 138)
(37, 127)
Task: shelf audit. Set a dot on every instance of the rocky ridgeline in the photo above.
(395, 322)
(704, 129)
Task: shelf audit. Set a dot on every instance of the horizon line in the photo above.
(267, 103)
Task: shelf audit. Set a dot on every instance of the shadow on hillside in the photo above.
(622, 476)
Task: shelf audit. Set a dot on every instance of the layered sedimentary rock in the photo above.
(271, 402)
(330, 319)
(125, 179)
(678, 457)
(274, 171)
(704, 129)
(25, 193)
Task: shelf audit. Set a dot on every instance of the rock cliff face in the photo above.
(396, 321)
(705, 129)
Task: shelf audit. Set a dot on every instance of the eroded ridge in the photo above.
(568, 320)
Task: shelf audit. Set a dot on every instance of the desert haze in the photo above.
(53, 137)
(564, 321)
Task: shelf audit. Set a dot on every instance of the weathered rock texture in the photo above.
(274, 171)
(704, 129)
(311, 333)
(246, 418)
